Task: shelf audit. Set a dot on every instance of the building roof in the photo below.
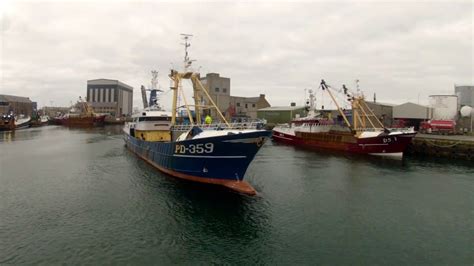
(108, 82)
(381, 103)
(247, 99)
(443, 95)
(281, 108)
(12, 98)
(410, 103)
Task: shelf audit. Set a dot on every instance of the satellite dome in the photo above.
(466, 111)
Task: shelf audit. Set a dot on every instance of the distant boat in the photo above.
(110, 120)
(22, 122)
(7, 122)
(39, 120)
(72, 120)
(81, 115)
(365, 135)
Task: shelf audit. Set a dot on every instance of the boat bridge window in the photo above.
(154, 118)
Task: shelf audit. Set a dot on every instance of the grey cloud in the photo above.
(397, 49)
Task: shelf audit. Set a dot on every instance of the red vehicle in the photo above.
(438, 127)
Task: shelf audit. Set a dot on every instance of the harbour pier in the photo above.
(451, 146)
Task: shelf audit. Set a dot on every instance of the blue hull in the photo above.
(219, 160)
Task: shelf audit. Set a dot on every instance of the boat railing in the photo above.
(221, 126)
(402, 130)
(369, 129)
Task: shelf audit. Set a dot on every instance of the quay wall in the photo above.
(456, 147)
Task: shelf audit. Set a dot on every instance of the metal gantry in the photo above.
(177, 89)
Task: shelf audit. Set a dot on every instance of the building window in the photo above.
(246, 106)
(224, 90)
(238, 104)
(217, 89)
(253, 105)
(112, 95)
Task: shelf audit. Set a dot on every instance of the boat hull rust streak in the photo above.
(225, 165)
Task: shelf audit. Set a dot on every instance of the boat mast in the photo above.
(325, 87)
(176, 77)
(187, 63)
(359, 103)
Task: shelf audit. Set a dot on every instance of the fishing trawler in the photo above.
(208, 153)
(365, 135)
(81, 115)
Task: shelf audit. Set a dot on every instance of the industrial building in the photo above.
(16, 104)
(232, 107)
(110, 96)
(411, 114)
(281, 114)
(246, 106)
(383, 111)
(465, 95)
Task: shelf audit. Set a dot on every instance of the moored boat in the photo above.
(72, 120)
(38, 120)
(7, 122)
(81, 115)
(22, 121)
(111, 120)
(365, 135)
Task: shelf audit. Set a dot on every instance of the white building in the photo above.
(445, 107)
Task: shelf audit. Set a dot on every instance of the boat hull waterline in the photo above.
(381, 145)
(220, 160)
(86, 121)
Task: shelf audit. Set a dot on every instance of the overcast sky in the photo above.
(401, 50)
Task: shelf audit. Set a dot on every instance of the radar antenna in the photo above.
(187, 44)
(154, 79)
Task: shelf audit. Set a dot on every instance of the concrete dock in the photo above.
(453, 146)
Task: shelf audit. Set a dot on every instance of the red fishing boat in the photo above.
(365, 135)
(82, 115)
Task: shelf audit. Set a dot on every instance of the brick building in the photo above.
(16, 104)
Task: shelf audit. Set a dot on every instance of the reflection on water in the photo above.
(79, 196)
(7, 136)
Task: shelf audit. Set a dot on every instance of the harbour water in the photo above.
(78, 196)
